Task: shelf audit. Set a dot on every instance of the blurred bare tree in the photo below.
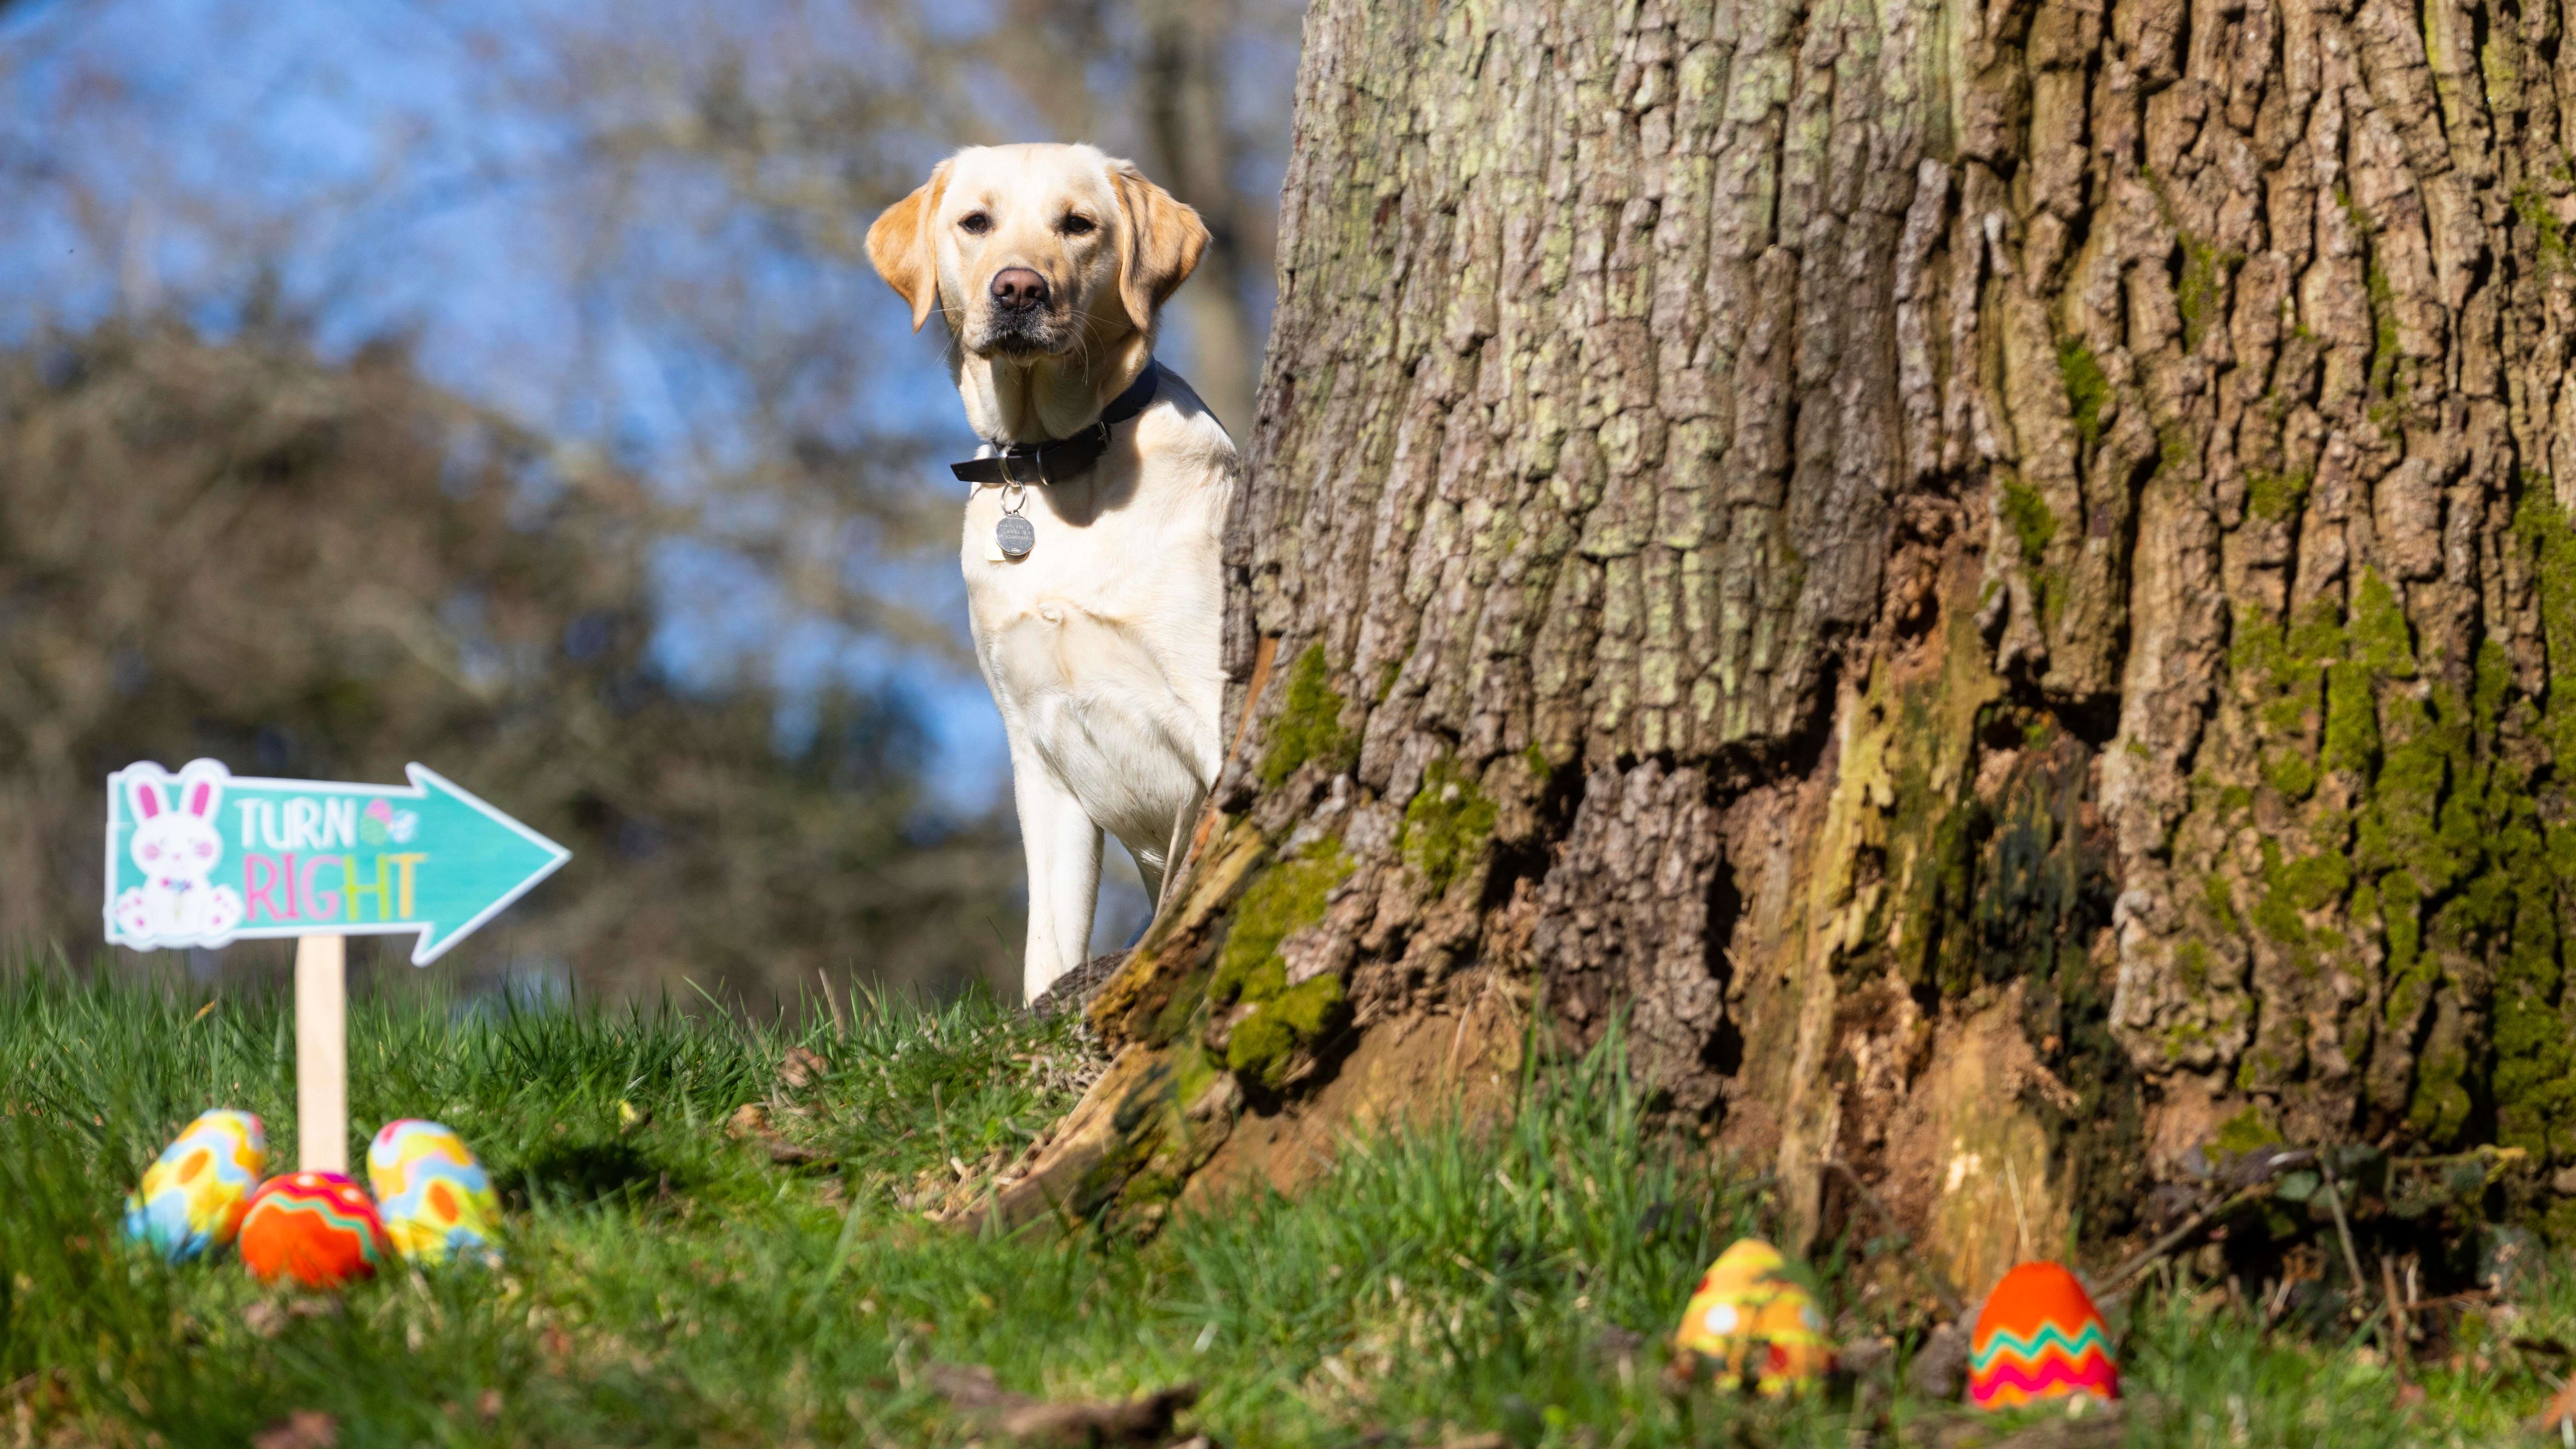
(328, 572)
(675, 412)
(1196, 91)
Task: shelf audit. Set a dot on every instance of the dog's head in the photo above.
(1032, 252)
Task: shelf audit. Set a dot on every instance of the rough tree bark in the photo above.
(1989, 573)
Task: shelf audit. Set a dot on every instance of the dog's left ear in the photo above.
(1163, 241)
(899, 246)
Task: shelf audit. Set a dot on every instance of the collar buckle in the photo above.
(1034, 455)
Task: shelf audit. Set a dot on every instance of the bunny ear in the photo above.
(146, 796)
(201, 786)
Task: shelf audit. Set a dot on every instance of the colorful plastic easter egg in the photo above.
(2039, 1337)
(435, 1199)
(318, 1228)
(1749, 1316)
(194, 1194)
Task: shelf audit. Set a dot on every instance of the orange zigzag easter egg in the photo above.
(1748, 1316)
(318, 1228)
(2039, 1337)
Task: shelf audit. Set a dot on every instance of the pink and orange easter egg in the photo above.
(318, 1228)
(195, 1193)
(1748, 1316)
(435, 1199)
(2039, 1337)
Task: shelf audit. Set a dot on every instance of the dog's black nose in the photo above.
(1019, 289)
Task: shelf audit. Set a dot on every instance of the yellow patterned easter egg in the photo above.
(1749, 1319)
(436, 1200)
(194, 1194)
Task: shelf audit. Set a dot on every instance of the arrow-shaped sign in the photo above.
(205, 858)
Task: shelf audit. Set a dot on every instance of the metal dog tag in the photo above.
(1016, 535)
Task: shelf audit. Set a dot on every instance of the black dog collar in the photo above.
(1021, 464)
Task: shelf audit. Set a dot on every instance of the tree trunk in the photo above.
(1988, 575)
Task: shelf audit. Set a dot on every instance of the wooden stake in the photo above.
(322, 1054)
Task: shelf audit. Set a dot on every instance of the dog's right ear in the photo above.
(899, 246)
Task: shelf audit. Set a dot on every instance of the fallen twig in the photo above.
(2461, 1299)
(2253, 1175)
(2280, 1302)
(2396, 1319)
(2146, 1257)
(2343, 1228)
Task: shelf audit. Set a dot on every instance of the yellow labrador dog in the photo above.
(1097, 507)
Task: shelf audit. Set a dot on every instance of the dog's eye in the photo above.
(1077, 225)
(974, 223)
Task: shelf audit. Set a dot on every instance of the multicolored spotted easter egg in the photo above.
(2039, 1337)
(435, 1198)
(194, 1194)
(318, 1228)
(1749, 1317)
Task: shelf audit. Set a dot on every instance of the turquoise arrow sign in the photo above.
(205, 858)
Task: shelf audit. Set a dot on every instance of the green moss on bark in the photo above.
(2088, 391)
(2201, 295)
(1284, 898)
(2291, 773)
(2380, 638)
(2384, 354)
(2192, 964)
(2027, 515)
(1446, 824)
(2246, 1131)
(2352, 718)
(1309, 724)
(1266, 1042)
(2549, 239)
(2445, 853)
(2275, 496)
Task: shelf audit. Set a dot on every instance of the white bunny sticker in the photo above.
(173, 842)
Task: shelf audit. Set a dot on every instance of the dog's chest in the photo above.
(1116, 602)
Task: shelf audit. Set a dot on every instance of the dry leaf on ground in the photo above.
(303, 1429)
(1145, 1420)
(802, 1069)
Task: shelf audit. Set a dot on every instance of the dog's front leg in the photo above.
(1063, 848)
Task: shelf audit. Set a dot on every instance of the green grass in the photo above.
(666, 1284)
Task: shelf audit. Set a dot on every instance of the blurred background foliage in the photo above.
(504, 387)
